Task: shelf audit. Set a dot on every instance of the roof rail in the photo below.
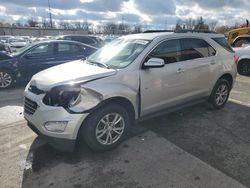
(193, 31)
(157, 31)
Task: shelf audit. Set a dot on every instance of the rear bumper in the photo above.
(58, 143)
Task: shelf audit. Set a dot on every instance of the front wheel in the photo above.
(6, 79)
(220, 94)
(106, 128)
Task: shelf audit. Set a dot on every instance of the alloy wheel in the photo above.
(110, 129)
(221, 94)
(5, 79)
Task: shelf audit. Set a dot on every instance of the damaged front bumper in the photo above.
(54, 123)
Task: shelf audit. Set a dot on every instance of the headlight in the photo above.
(65, 96)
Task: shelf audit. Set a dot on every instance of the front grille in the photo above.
(29, 106)
(35, 90)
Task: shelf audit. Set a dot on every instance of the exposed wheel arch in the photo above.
(123, 102)
(8, 77)
(240, 41)
(229, 78)
(10, 71)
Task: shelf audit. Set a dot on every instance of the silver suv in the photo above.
(133, 78)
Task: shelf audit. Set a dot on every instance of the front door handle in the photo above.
(180, 70)
(80, 56)
(213, 62)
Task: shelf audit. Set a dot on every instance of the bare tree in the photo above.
(32, 23)
(190, 23)
(64, 25)
(110, 28)
(19, 24)
(201, 24)
(178, 26)
(212, 25)
(137, 28)
(45, 23)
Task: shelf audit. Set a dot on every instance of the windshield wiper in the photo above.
(99, 64)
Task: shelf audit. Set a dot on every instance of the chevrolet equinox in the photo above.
(132, 78)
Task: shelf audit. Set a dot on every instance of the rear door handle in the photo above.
(180, 70)
(49, 59)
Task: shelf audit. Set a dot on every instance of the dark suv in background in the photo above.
(86, 39)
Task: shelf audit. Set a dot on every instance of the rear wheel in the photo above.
(220, 94)
(244, 67)
(106, 127)
(6, 79)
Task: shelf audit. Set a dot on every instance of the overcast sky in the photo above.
(157, 13)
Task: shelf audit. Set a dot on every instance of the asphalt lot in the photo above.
(194, 147)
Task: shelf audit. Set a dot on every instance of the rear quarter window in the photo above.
(193, 48)
(86, 40)
(223, 43)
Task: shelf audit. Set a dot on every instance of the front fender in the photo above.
(92, 96)
(8, 65)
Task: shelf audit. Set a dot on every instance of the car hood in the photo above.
(7, 56)
(68, 73)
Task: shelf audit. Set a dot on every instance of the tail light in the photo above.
(236, 58)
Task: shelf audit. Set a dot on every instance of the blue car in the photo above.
(22, 65)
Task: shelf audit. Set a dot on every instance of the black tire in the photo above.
(11, 79)
(90, 126)
(244, 67)
(240, 42)
(214, 96)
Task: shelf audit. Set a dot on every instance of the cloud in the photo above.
(59, 4)
(104, 5)
(216, 4)
(157, 13)
(153, 7)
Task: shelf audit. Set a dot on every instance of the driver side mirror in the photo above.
(29, 56)
(154, 63)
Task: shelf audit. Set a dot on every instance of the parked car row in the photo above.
(86, 39)
(16, 42)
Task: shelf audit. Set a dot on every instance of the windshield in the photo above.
(21, 50)
(119, 53)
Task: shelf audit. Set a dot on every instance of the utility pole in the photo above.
(123, 27)
(166, 24)
(50, 18)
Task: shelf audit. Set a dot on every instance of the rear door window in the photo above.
(68, 38)
(195, 48)
(86, 40)
(69, 48)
